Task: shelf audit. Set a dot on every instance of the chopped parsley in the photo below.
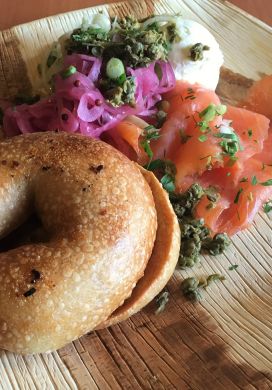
(267, 183)
(161, 301)
(202, 138)
(233, 267)
(250, 133)
(149, 133)
(167, 170)
(207, 115)
(254, 180)
(267, 207)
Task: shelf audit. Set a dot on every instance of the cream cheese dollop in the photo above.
(204, 71)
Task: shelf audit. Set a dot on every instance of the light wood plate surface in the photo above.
(223, 342)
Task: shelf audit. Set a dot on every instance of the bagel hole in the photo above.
(29, 232)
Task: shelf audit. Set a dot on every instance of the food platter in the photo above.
(223, 341)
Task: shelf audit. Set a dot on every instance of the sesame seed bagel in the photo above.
(163, 260)
(99, 215)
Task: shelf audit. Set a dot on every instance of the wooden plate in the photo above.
(223, 342)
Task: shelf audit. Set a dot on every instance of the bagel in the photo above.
(163, 260)
(101, 221)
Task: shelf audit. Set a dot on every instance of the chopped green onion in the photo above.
(68, 71)
(231, 136)
(202, 138)
(203, 126)
(115, 69)
(147, 148)
(155, 164)
(210, 112)
(221, 109)
(168, 182)
(267, 183)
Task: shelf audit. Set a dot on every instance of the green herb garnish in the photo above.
(167, 170)
(254, 180)
(213, 278)
(267, 183)
(115, 69)
(210, 112)
(161, 301)
(149, 133)
(250, 133)
(267, 207)
(237, 197)
(233, 267)
(202, 138)
(229, 147)
(168, 182)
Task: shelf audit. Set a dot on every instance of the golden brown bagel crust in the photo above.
(100, 214)
(163, 260)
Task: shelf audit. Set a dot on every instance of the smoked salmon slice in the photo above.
(230, 153)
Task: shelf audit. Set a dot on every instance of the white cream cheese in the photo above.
(205, 71)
